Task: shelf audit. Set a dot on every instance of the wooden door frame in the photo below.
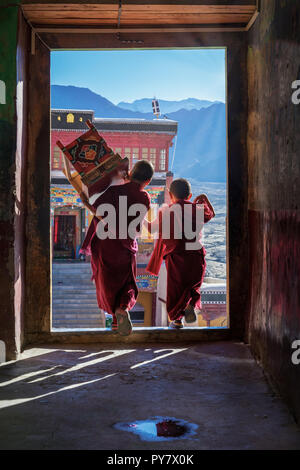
(38, 272)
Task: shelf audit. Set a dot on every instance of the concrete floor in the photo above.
(70, 397)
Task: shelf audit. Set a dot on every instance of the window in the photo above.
(135, 154)
(56, 158)
(119, 151)
(70, 117)
(162, 160)
(153, 157)
(144, 153)
(58, 118)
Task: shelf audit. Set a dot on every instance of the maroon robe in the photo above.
(114, 260)
(185, 268)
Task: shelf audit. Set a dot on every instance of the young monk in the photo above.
(185, 262)
(113, 259)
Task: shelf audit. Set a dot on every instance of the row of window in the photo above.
(149, 154)
(132, 154)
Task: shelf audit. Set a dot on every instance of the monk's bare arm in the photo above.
(203, 199)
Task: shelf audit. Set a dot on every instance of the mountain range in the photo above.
(200, 150)
(166, 106)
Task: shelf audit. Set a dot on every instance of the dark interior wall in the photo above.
(23, 47)
(14, 34)
(8, 134)
(37, 305)
(274, 196)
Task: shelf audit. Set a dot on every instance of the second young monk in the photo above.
(113, 259)
(185, 262)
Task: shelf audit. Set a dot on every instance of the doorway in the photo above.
(64, 236)
(185, 136)
(38, 323)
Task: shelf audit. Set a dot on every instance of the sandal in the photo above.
(176, 324)
(124, 322)
(189, 314)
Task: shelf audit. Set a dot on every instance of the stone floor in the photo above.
(70, 397)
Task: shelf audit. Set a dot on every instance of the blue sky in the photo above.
(130, 75)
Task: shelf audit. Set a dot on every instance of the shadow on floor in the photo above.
(71, 397)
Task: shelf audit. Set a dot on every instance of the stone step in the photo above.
(74, 296)
(75, 318)
(80, 269)
(75, 267)
(74, 321)
(70, 305)
(72, 270)
(70, 289)
(68, 292)
(71, 281)
(74, 302)
(70, 265)
(78, 307)
(71, 273)
(81, 307)
(83, 285)
(80, 286)
(73, 324)
(77, 326)
(78, 315)
(88, 287)
(71, 276)
(91, 309)
(75, 314)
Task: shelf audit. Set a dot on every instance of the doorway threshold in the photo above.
(138, 335)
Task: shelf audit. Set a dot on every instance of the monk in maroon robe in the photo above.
(113, 259)
(182, 251)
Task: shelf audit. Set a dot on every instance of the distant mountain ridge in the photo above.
(144, 105)
(201, 143)
(73, 97)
